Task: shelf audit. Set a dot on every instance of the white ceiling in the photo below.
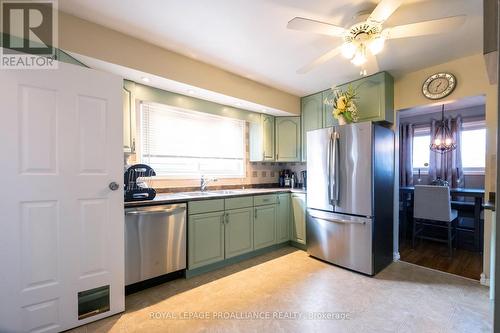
(249, 37)
(175, 86)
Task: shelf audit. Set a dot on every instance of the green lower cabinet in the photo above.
(238, 231)
(298, 218)
(206, 239)
(264, 227)
(283, 218)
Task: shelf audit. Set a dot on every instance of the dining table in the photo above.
(407, 193)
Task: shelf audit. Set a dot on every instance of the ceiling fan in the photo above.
(368, 36)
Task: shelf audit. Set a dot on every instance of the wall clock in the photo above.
(439, 85)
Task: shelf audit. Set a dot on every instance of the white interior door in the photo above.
(61, 225)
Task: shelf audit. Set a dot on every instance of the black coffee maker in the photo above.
(303, 176)
(136, 189)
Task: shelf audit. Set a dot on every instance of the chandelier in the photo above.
(362, 38)
(443, 141)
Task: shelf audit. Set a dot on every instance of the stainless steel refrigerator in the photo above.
(350, 170)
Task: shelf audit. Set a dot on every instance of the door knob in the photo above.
(113, 186)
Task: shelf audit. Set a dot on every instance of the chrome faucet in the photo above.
(204, 182)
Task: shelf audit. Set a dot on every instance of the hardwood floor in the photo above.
(435, 255)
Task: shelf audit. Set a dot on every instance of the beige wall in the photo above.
(93, 40)
(472, 80)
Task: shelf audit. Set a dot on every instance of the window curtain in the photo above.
(406, 158)
(448, 166)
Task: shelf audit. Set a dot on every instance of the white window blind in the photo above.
(189, 144)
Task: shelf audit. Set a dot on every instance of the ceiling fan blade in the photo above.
(426, 28)
(321, 60)
(384, 10)
(303, 24)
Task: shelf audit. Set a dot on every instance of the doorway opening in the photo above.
(441, 221)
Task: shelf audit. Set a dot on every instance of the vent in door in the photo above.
(92, 302)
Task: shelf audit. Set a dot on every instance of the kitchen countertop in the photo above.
(178, 197)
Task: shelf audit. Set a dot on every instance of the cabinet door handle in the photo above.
(227, 217)
(256, 213)
(279, 201)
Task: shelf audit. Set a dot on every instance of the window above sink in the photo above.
(187, 144)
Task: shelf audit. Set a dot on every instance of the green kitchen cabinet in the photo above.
(287, 139)
(264, 227)
(129, 128)
(298, 217)
(311, 118)
(328, 119)
(375, 97)
(283, 218)
(205, 239)
(238, 231)
(262, 139)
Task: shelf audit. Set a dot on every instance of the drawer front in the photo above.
(239, 202)
(267, 199)
(205, 206)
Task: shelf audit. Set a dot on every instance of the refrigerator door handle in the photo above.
(329, 161)
(336, 175)
(340, 221)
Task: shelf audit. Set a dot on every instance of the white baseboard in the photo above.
(484, 280)
(396, 256)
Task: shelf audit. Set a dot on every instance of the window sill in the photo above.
(191, 178)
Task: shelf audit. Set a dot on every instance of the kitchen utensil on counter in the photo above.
(136, 189)
(303, 176)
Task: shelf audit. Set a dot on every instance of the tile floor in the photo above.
(288, 283)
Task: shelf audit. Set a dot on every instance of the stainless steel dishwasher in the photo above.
(155, 241)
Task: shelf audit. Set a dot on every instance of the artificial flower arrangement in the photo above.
(344, 107)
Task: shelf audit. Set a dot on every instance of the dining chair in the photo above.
(432, 208)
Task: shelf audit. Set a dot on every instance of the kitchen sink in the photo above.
(198, 194)
(222, 192)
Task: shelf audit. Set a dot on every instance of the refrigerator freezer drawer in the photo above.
(343, 240)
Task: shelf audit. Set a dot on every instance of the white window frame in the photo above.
(138, 151)
(421, 131)
(469, 125)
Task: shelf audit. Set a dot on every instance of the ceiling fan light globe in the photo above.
(376, 45)
(348, 50)
(359, 59)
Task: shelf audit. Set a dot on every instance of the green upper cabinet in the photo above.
(129, 128)
(238, 231)
(288, 139)
(311, 117)
(264, 226)
(328, 119)
(375, 100)
(262, 139)
(283, 218)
